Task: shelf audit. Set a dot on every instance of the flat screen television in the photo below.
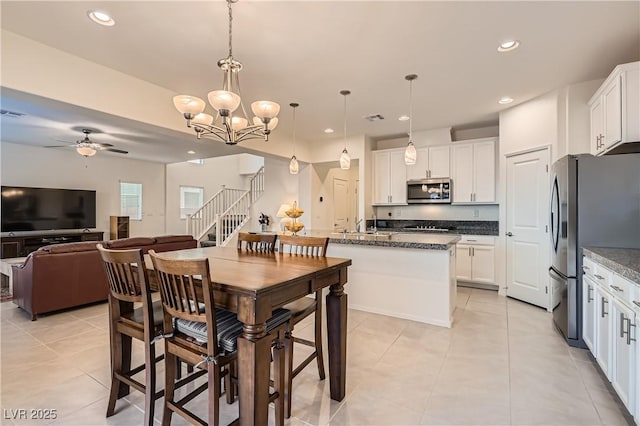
(43, 209)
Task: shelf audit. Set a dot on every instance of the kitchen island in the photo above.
(409, 276)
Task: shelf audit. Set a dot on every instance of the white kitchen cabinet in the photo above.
(615, 109)
(475, 259)
(473, 172)
(624, 352)
(431, 162)
(602, 329)
(389, 177)
(589, 313)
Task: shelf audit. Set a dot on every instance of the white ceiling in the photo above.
(307, 51)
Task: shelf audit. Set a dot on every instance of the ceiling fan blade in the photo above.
(102, 145)
(119, 151)
(59, 146)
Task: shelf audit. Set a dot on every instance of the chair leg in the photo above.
(279, 378)
(170, 363)
(116, 366)
(150, 383)
(288, 371)
(318, 338)
(125, 342)
(229, 386)
(214, 394)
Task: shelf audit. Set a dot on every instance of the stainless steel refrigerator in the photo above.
(595, 201)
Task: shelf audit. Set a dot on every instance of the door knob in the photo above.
(509, 234)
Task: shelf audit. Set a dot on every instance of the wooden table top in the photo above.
(251, 272)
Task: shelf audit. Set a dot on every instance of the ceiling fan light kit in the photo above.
(227, 127)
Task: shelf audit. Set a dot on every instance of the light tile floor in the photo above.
(501, 363)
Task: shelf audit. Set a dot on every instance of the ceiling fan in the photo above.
(88, 148)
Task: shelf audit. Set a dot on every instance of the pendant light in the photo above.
(410, 154)
(293, 164)
(345, 160)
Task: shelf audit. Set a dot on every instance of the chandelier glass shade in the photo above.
(345, 159)
(410, 154)
(231, 123)
(293, 164)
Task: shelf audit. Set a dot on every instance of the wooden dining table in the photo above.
(253, 284)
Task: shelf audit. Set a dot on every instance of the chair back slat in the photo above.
(126, 280)
(306, 246)
(257, 242)
(185, 289)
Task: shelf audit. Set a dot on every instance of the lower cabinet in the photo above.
(475, 259)
(611, 307)
(589, 313)
(624, 348)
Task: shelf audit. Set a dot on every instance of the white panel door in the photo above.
(527, 244)
(483, 264)
(612, 100)
(398, 178)
(463, 262)
(381, 173)
(340, 204)
(484, 169)
(589, 313)
(419, 170)
(602, 328)
(462, 173)
(439, 158)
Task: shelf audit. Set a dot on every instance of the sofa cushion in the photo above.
(70, 247)
(173, 238)
(130, 242)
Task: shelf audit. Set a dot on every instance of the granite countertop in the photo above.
(625, 262)
(385, 239)
(451, 227)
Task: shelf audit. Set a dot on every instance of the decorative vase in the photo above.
(264, 227)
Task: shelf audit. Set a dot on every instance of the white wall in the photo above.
(24, 165)
(210, 176)
(322, 186)
(420, 138)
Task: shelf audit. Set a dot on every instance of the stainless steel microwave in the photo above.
(428, 191)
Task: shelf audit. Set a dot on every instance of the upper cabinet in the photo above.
(473, 172)
(615, 109)
(389, 177)
(432, 162)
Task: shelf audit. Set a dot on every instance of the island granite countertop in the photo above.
(623, 261)
(386, 239)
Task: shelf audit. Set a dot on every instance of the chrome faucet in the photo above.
(358, 225)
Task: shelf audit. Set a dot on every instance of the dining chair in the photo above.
(302, 308)
(206, 337)
(257, 242)
(128, 284)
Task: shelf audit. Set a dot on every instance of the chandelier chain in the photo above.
(230, 27)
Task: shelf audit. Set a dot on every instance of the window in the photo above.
(191, 199)
(131, 200)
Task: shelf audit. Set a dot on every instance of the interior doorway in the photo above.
(340, 204)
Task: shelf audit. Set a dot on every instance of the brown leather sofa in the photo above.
(62, 276)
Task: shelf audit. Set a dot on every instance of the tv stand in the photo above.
(20, 246)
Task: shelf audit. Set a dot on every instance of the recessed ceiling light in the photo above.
(328, 130)
(505, 100)
(191, 152)
(403, 118)
(101, 18)
(508, 45)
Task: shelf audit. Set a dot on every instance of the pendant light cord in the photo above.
(410, 110)
(294, 131)
(345, 122)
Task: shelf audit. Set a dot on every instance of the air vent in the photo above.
(374, 117)
(8, 113)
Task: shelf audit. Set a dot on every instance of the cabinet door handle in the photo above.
(469, 250)
(600, 277)
(473, 251)
(635, 302)
(589, 290)
(622, 321)
(615, 287)
(603, 313)
(629, 338)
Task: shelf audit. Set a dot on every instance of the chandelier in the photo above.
(228, 127)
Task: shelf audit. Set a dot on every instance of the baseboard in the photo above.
(478, 285)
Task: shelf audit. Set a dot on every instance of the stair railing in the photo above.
(229, 223)
(203, 220)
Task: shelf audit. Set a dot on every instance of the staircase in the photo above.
(222, 216)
